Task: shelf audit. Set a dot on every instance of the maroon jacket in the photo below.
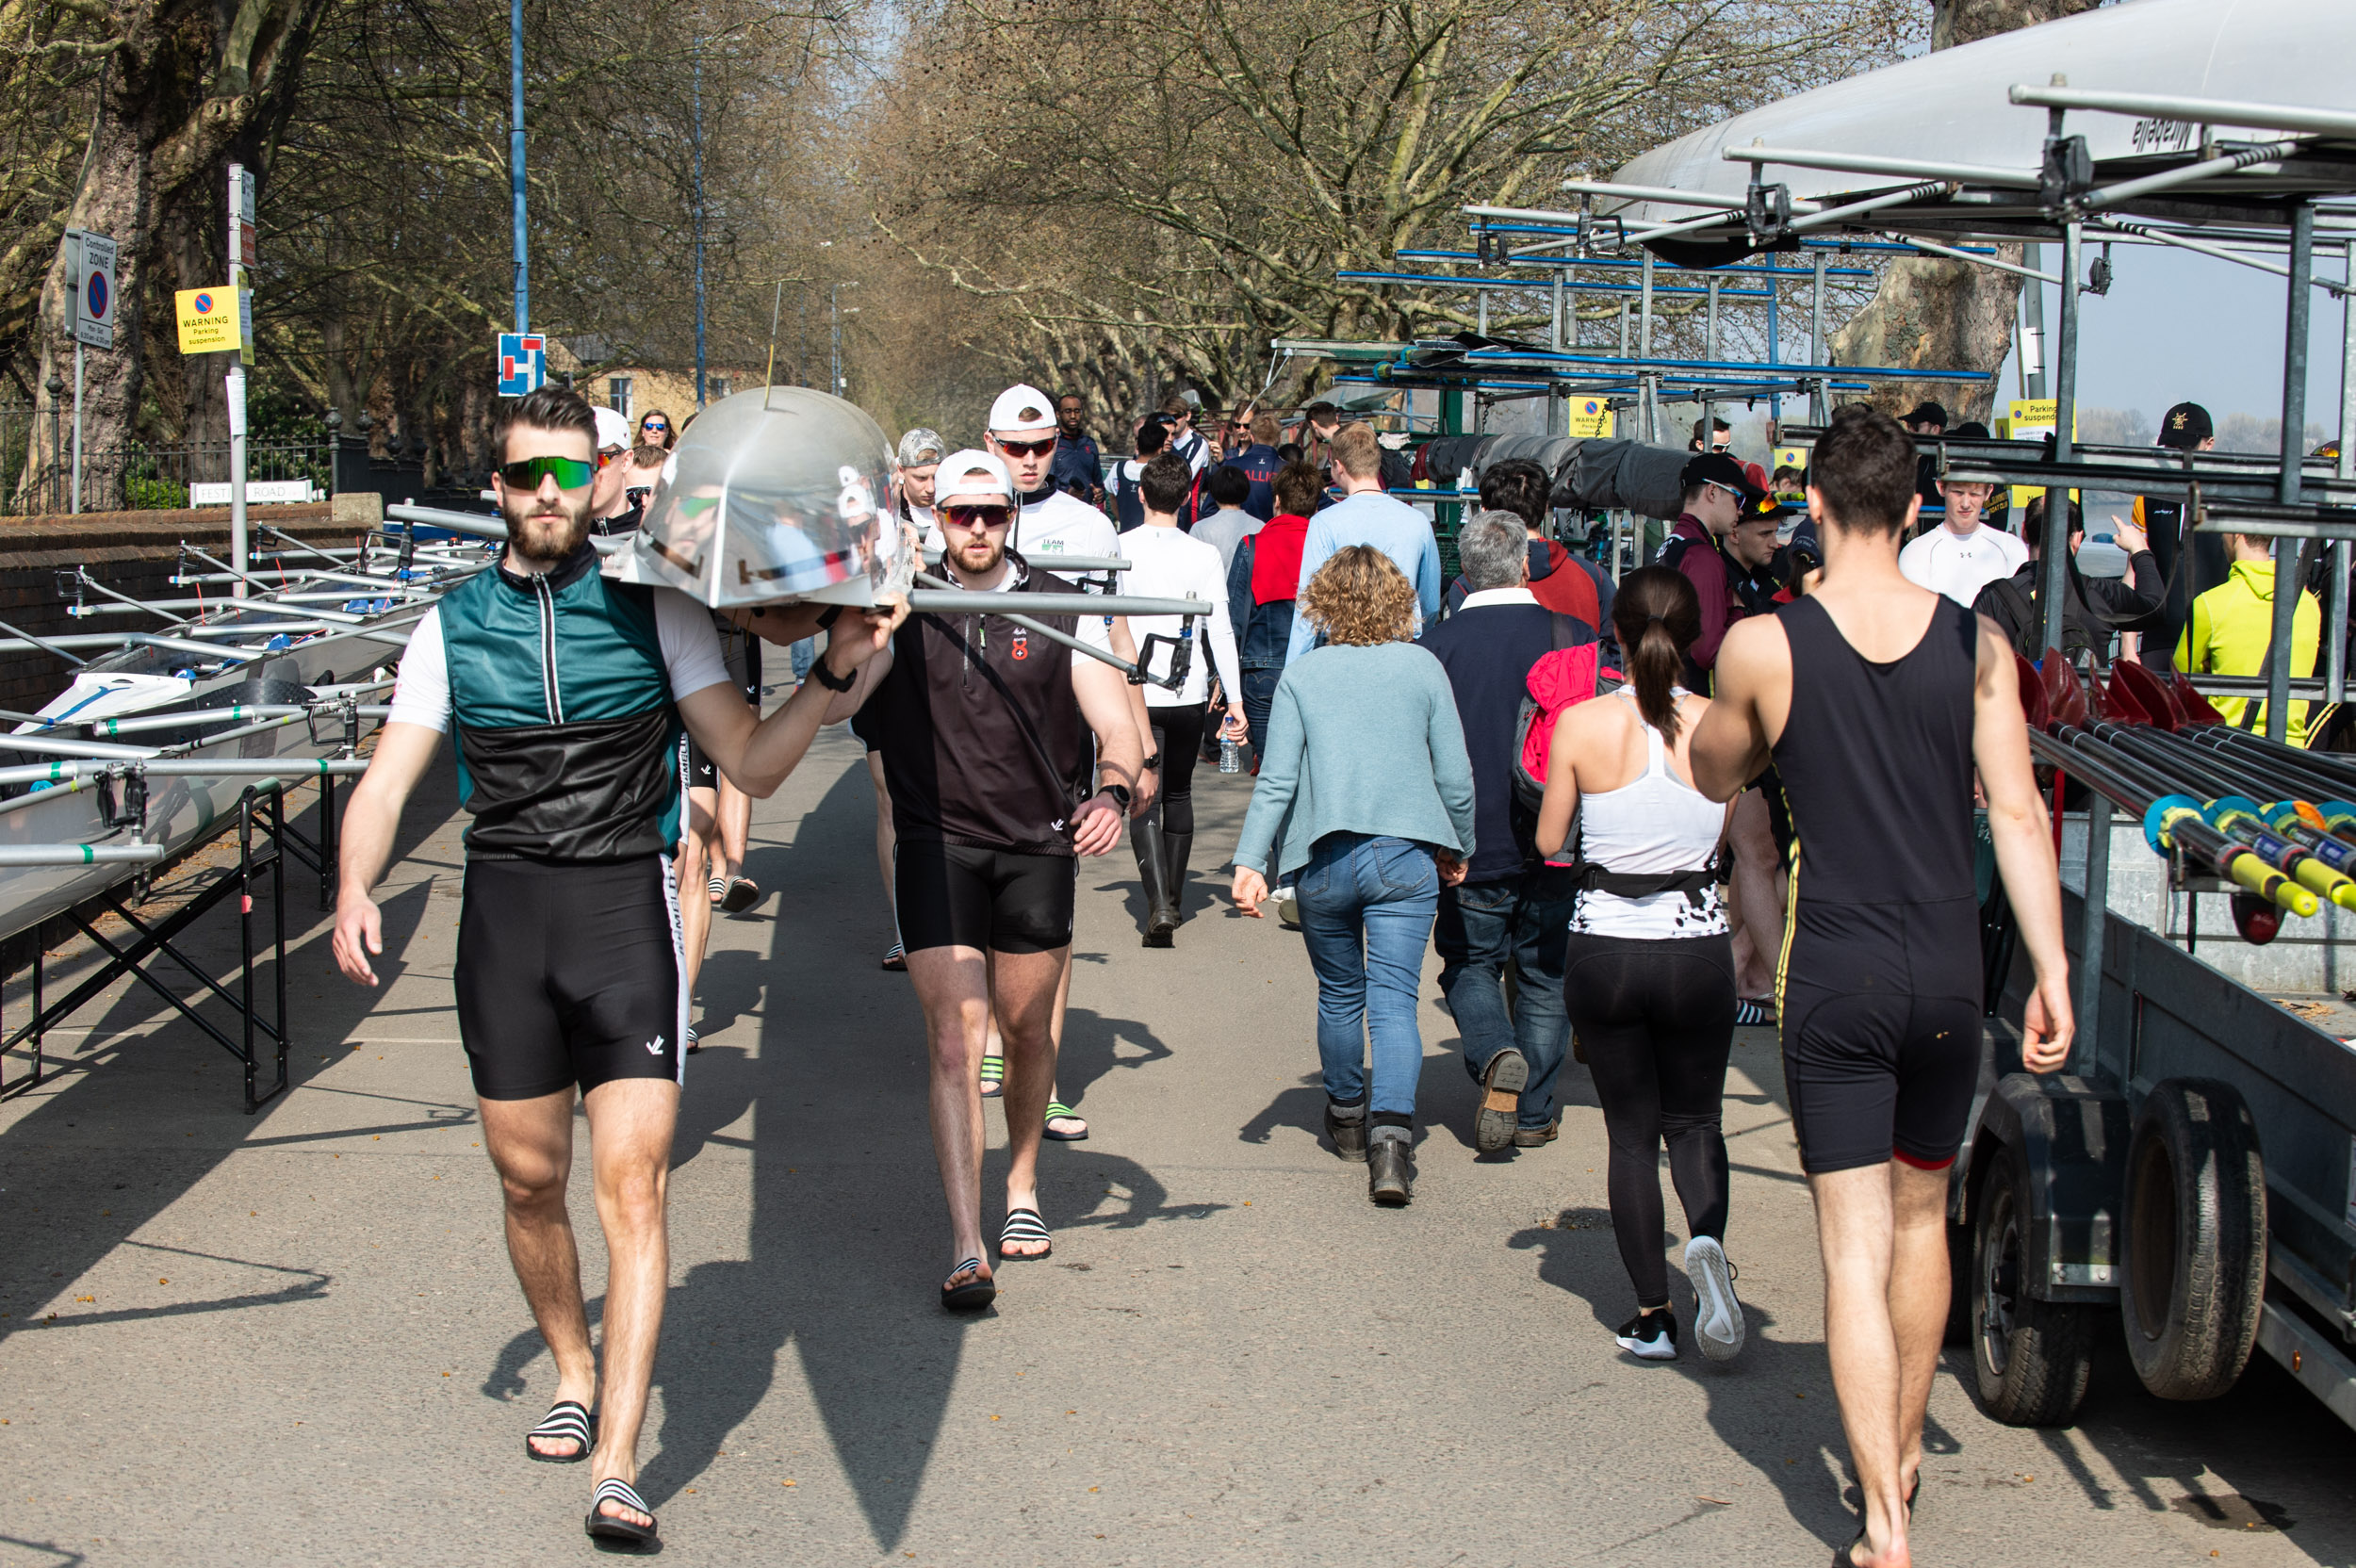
(1704, 567)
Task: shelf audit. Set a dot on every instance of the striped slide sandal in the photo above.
(969, 1289)
(1076, 1132)
(608, 1526)
(1024, 1226)
(993, 1077)
(566, 1421)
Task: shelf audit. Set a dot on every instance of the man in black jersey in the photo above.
(982, 729)
(1876, 700)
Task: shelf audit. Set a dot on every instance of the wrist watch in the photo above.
(827, 679)
(1151, 763)
(1120, 792)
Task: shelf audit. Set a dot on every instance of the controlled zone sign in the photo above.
(212, 319)
(95, 289)
(1590, 418)
(523, 363)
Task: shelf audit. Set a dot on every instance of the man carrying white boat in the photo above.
(569, 690)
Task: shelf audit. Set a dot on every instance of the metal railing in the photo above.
(143, 477)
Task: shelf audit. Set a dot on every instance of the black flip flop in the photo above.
(743, 893)
(605, 1527)
(566, 1419)
(976, 1293)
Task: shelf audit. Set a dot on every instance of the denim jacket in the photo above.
(1262, 630)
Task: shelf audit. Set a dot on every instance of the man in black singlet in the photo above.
(985, 730)
(1875, 699)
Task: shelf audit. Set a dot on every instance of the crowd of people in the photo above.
(1586, 794)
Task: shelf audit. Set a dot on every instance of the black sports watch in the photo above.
(1151, 763)
(826, 676)
(1120, 792)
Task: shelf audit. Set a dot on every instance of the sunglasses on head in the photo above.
(570, 473)
(1027, 449)
(971, 517)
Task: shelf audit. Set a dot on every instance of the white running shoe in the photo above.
(1718, 1325)
(1651, 1336)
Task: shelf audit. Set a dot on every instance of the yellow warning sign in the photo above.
(1591, 418)
(2031, 419)
(211, 320)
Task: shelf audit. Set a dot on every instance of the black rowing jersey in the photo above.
(983, 743)
(1876, 760)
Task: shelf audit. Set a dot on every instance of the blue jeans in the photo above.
(1525, 920)
(803, 654)
(1259, 698)
(1367, 906)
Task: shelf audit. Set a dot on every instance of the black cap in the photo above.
(1925, 414)
(1971, 430)
(2186, 426)
(1718, 469)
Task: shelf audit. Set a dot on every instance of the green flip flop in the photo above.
(1058, 1111)
(993, 1077)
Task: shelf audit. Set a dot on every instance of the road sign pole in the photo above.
(237, 477)
(515, 164)
(240, 218)
(77, 426)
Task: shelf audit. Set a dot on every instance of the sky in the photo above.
(2176, 325)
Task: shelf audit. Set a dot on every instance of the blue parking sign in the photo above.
(523, 363)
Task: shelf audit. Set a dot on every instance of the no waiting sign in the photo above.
(93, 274)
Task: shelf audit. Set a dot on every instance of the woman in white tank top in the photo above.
(1648, 974)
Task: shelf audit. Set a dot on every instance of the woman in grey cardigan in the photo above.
(1366, 783)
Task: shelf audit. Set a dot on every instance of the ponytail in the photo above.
(1657, 616)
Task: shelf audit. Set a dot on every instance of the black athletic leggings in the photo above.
(1178, 736)
(1656, 1021)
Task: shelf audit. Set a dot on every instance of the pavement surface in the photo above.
(293, 1337)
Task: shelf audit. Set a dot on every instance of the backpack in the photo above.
(1560, 679)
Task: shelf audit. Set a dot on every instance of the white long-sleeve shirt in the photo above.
(1960, 565)
(1164, 563)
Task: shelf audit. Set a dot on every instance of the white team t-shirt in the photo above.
(1960, 565)
(690, 656)
(1166, 563)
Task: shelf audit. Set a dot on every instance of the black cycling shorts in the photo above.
(569, 974)
(1880, 1009)
(994, 900)
(695, 770)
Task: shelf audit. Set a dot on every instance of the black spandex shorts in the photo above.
(569, 974)
(695, 770)
(996, 900)
(1880, 1010)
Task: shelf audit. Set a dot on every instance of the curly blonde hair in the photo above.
(1360, 598)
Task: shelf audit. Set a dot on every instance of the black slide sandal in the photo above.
(605, 1527)
(979, 1291)
(1024, 1225)
(566, 1419)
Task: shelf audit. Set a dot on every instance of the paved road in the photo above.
(294, 1339)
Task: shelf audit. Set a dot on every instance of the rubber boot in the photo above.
(1145, 836)
(1176, 847)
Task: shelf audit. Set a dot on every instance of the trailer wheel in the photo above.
(2192, 1276)
(2030, 1358)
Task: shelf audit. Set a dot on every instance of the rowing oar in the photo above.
(2319, 810)
(2174, 821)
(2321, 778)
(2322, 874)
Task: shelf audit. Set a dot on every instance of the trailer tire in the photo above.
(2192, 1252)
(2030, 1358)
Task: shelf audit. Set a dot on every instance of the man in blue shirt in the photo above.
(1365, 516)
(1076, 470)
(1256, 432)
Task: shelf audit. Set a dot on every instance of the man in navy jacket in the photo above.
(1511, 905)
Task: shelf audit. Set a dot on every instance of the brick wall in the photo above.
(134, 553)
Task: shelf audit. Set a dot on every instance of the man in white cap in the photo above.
(984, 874)
(609, 493)
(1022, 432)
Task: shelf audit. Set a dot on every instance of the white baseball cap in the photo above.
(972, 473)
(612, 429)
(1018, 408)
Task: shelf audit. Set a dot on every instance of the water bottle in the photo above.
(1230, 755)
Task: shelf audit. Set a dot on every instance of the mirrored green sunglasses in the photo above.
(570, 473)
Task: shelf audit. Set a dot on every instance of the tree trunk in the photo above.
(187, 81)
(1940, 314)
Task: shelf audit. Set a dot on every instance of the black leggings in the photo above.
(1656, 1021)
(1178, 736)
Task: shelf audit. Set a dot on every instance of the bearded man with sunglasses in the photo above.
(1024, 434)
(568, 690)
(984, 728)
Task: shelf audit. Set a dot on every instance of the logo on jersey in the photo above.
(654, 1046)
(1021, 643)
